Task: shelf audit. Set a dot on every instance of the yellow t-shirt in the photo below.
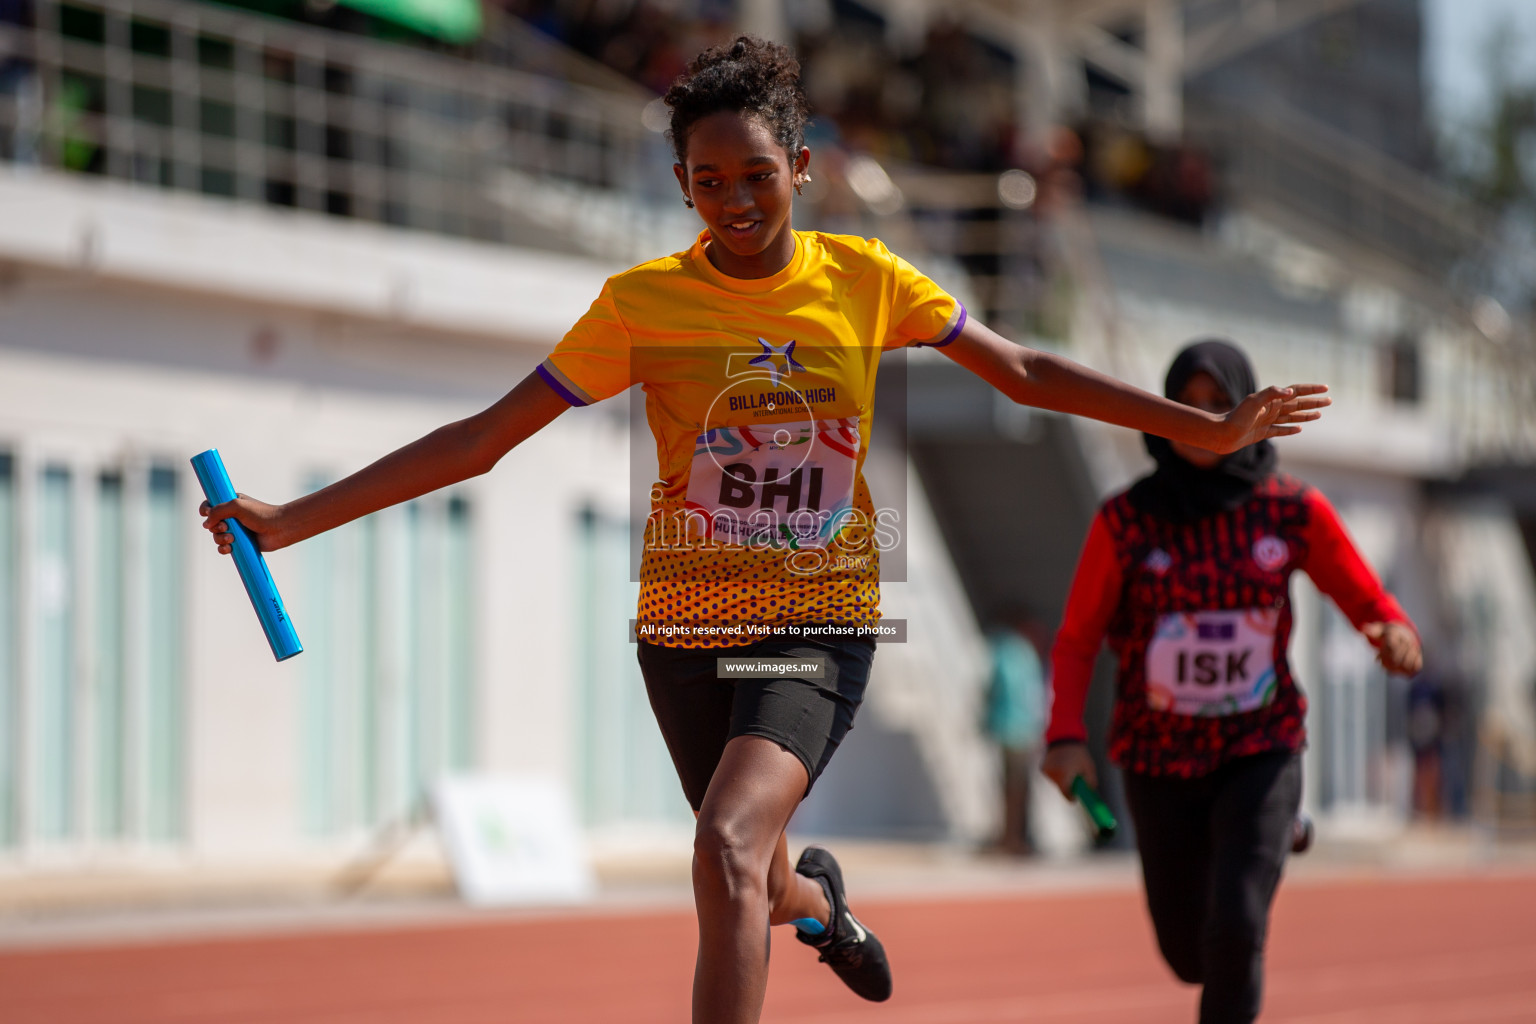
(760, 395)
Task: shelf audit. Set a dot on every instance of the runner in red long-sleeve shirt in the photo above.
(1187, 576)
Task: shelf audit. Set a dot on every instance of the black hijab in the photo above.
(1180, 491)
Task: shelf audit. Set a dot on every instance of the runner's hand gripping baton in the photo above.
(253, 568)
(1098, 811)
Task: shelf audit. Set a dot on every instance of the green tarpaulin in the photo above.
(457, 21)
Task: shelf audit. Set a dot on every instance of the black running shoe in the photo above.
(1301, 833)
(847, 946)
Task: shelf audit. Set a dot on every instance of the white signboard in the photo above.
(513, 840)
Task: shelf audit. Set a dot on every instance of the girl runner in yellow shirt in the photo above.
(757, 350)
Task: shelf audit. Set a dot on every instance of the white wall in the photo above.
(274, 433)
(195, 324)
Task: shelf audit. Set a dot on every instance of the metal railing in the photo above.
(199, 98)
(1314, 171)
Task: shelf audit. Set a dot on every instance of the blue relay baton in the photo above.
(253, 568)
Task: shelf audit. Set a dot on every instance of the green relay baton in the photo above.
(1104, 823)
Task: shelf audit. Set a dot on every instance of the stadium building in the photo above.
(306, 245)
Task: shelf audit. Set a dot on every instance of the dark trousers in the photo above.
(1212, 849)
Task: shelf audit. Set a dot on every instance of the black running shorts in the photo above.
(699, 712)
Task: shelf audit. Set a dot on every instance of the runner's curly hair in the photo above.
(748, 75)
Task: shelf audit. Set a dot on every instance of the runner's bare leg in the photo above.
(742, 879)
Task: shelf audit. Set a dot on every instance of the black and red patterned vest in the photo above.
(1199, 603)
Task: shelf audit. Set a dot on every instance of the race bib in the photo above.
(1212, 663)
(786, 485)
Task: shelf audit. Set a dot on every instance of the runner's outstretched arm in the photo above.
(1047, 381)
(1342, 573)
(451, 453)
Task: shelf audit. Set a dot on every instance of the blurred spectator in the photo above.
(648, 41)
(1015, 720)
(949, 100)
(16, 12)
(1426, 731)
(1058, 170)
(18, 86)
(950, 103)
(1458, 749)
(1175, 181)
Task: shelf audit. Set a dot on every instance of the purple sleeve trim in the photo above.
(957, 323)
(954, 332)
(559, 386)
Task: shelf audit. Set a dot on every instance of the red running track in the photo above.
(1406, 951)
